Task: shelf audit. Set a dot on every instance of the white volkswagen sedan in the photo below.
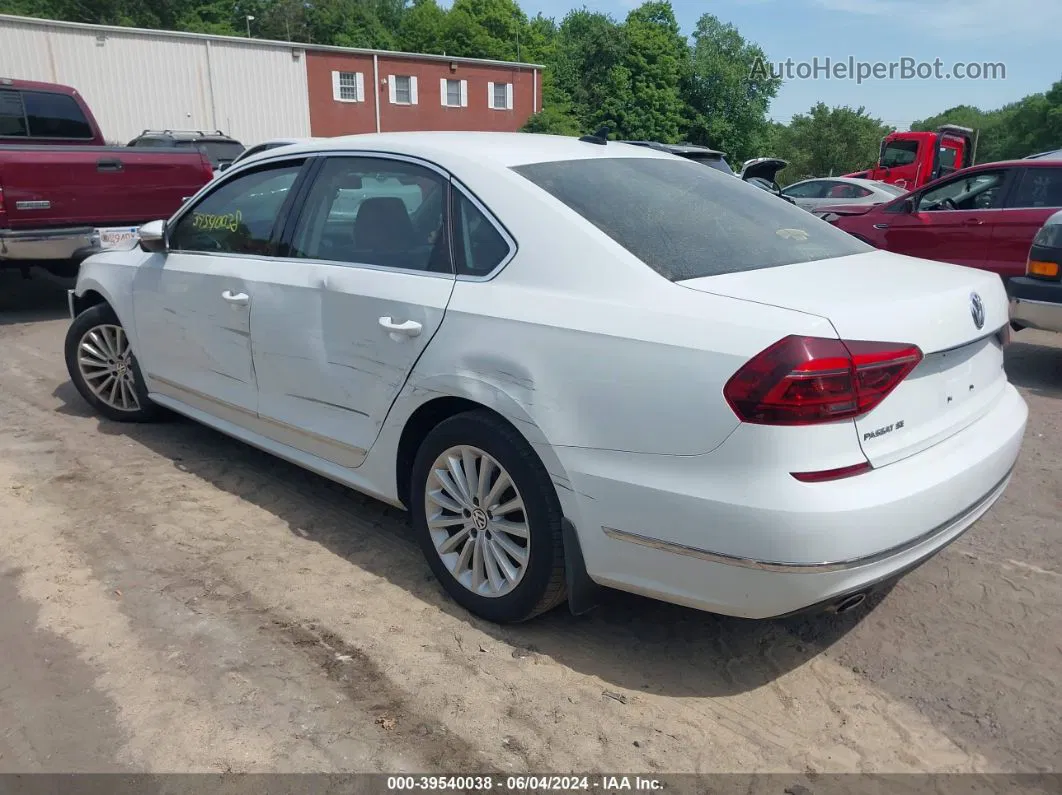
(574, 363)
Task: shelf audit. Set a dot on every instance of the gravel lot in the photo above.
(177, 601)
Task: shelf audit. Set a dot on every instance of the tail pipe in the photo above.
(850, 602)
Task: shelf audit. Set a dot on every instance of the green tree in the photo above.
(827, 141)
(422, 28)
(484, 29)
(728, 100)
(657, 61)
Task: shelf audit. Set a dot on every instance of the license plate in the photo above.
(118, 236)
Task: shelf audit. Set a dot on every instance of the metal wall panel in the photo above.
(137, 80)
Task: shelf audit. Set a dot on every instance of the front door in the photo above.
(192, 305)
(951, 222)
(339, 322)
(1037, 196)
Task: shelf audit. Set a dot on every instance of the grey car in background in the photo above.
(813, 193)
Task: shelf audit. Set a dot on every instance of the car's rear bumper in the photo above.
(48, 244)
(692, 531)
(1035, 303)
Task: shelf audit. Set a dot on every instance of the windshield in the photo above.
(899, 153)
(685, 221)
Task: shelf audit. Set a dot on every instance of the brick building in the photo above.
(254, 89)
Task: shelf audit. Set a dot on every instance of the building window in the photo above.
(500, 96)
(348, 86)
(453, 93)
(403, 89)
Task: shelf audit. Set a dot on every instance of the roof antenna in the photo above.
(600, 137)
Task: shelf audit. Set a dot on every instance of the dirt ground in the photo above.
(176, 601)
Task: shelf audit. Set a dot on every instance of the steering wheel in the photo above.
(948, 204)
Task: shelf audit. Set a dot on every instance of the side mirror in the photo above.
(153, 236)
(909, 205)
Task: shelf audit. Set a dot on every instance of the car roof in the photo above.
(500, 149)
(1051, 154)
(33, 85)
(866, 183)
(677, 149)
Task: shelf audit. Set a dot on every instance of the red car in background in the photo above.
(984, 216)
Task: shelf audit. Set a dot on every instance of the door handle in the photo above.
(235, 298)
(972, 222)
(109, 165)
(881, 226)
(409, 328)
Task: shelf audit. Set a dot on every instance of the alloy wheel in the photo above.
(477, 521)
(105, 361)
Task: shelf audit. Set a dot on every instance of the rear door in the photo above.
(338, 323)
(952, 221)
(1036, 196)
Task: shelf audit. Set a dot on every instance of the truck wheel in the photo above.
(102, 366)
(488, 519)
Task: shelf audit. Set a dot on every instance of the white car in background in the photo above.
(574, 363)
(812, 193)
(257, 149)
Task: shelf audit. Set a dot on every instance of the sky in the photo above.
(1020, 34)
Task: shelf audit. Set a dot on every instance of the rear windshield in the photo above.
(218, 152)
(714, 161)
(42, 114)
(686, 221)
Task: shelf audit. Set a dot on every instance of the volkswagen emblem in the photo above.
(977, 310)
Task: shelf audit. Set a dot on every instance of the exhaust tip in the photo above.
(850, 602)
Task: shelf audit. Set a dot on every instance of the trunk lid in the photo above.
(886, 297)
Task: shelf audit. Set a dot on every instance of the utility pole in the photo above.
(250, 19)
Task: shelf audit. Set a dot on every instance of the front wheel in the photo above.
(488, 519)
(103, 368)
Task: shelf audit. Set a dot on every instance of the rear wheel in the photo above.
(103, 368)
(488, 519)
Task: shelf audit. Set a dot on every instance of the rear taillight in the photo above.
(2, 210)
(808, 380)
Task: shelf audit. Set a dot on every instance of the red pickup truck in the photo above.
(65, 194)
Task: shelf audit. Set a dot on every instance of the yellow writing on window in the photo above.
(230, 221)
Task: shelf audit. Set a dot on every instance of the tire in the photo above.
(541, 585)
(131, 393)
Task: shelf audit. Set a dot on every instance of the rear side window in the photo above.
(55, 116)
(1039, 187)
(153, 142)
(479, 247)
(685, 221)
(12, 114)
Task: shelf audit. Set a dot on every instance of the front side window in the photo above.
(239, 216)
(375, 211)
(806, 190)
(479, 247)
(1039, 187)
(899, 153)
(685, 221)
(980, 191)
(12, 115)
(55, 116)
(948, 156)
